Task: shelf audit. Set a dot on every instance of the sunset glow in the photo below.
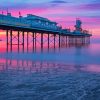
(64, 12)
(50, 49)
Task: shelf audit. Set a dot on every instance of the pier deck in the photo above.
(36, 24)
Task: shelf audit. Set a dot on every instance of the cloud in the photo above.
(20, 4)
(58, 1)
(96, 1)
(92, 6)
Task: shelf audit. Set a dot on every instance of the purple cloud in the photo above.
(58, 1)
(95, 6)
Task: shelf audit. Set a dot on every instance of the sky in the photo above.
(64, 12)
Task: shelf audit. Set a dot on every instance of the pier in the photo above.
(23, 27)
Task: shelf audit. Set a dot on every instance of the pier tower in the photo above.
(78, 26)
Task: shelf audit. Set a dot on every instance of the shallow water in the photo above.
(71, 73)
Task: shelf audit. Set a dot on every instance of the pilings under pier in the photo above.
(58, 40)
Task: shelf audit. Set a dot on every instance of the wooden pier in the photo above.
(35, 27)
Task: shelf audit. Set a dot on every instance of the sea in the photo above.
(71, 72)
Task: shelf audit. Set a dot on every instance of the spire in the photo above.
(7, 11)
(20, 14)
(2, 12)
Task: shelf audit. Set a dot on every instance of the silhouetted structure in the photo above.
(35, 24)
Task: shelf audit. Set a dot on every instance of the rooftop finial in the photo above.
(7, 11)
(2, 12)
(20, 14)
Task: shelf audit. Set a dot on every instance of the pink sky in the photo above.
(62, 11)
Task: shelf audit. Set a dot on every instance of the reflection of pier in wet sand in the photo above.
(32, 66)
(35, 66)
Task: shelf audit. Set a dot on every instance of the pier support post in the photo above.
(59, 40)
(89, 39)
(54, 40)
(66, 41)
(33, 41)
(48, 41)
(23, 40)
(83, 40)
(27, 41)
(11, 40)
(7, 31)
(18, 40)
(69, 40)
(72, 40)
(41, 41)
(75, 40)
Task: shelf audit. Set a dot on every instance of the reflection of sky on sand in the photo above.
(92, 68)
